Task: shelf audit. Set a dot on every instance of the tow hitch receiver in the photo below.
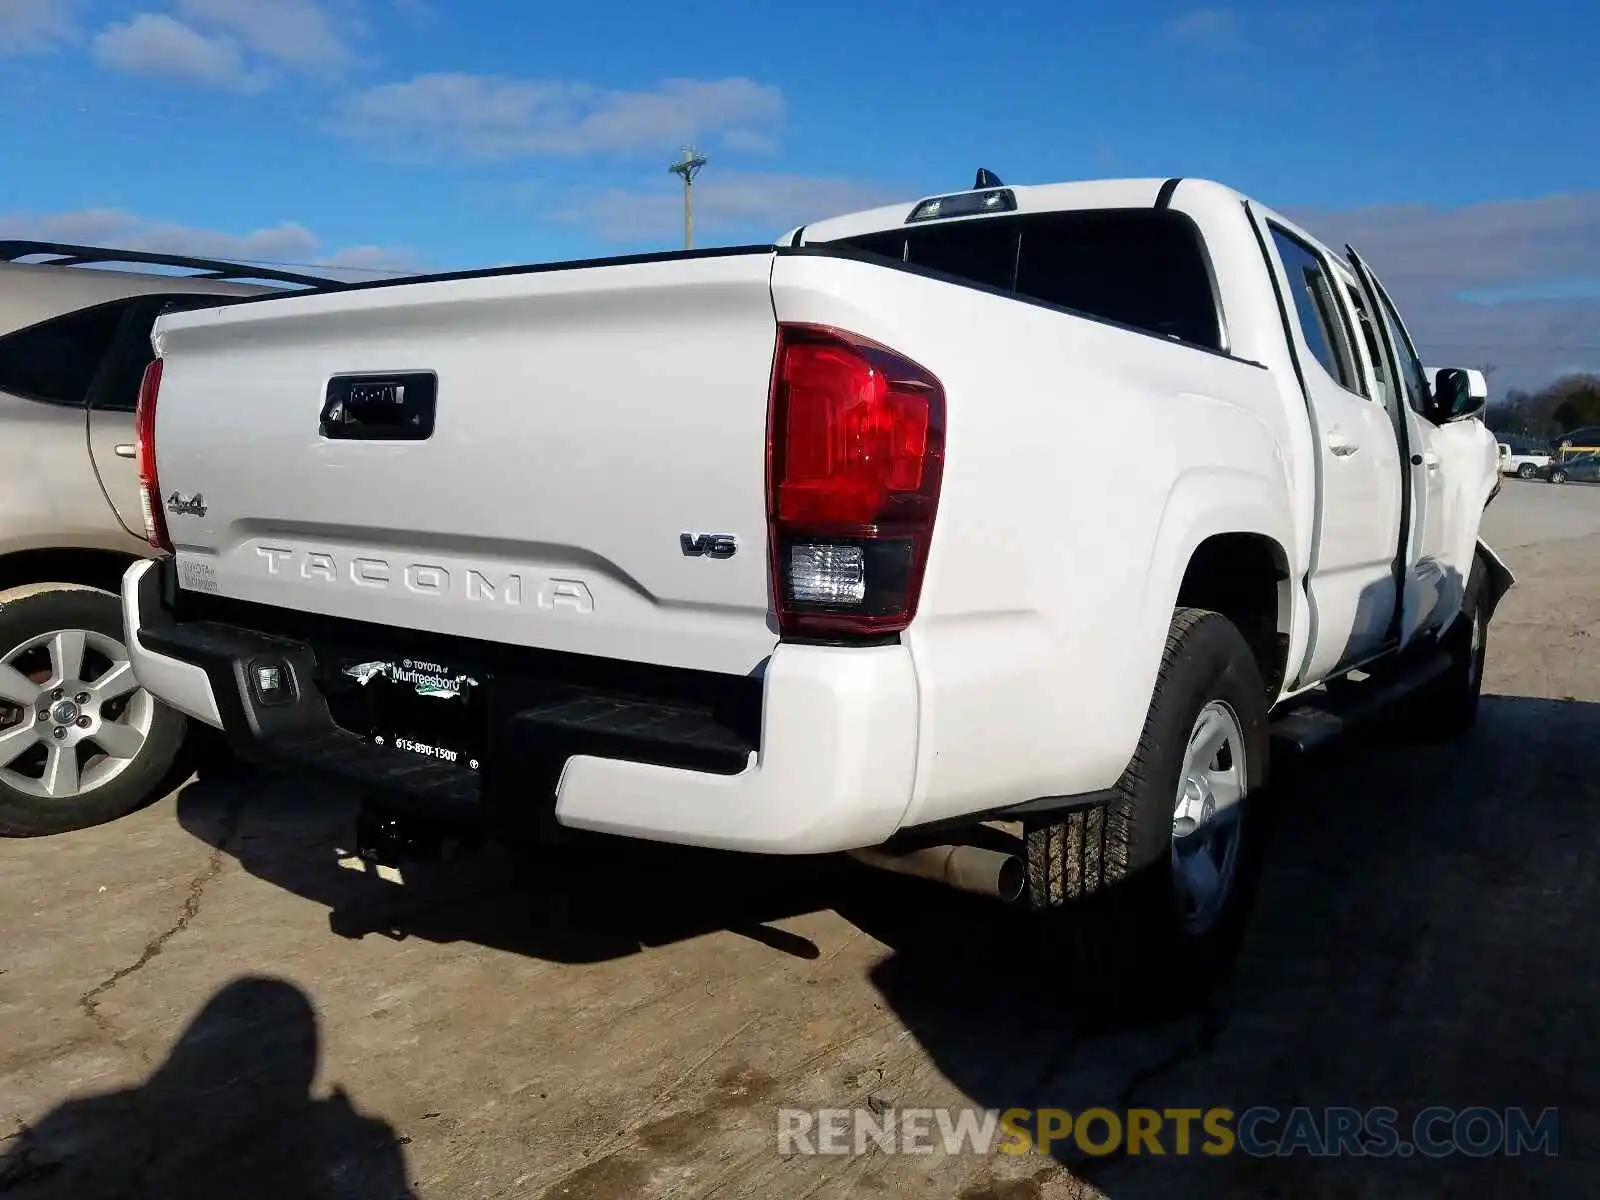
(388, 836)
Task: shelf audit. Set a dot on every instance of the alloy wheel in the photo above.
(72, 715)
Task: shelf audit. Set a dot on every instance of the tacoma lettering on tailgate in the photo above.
(474, 585)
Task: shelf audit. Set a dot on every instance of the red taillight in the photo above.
(155, 517)
(855, 457)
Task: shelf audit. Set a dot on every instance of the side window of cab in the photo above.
(55, 361)
(1323, 322)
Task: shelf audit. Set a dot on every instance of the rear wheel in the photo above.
(1527, 471)
(1149, 893)
(81, 742)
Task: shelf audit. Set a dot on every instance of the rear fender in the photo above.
(1206, 502)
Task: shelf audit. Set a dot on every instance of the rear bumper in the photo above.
(831, 768)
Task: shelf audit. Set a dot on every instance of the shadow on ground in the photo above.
(1425, 935)
(590, 901)
(228, 1114)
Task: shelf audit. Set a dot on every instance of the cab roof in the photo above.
(1193, 195)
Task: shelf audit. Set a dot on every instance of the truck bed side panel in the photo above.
(1085, 462)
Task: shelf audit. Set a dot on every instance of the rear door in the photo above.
(1353, 583)
(50, 490)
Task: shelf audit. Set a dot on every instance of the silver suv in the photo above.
(80, 741)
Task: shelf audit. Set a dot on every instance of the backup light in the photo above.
(824, 574)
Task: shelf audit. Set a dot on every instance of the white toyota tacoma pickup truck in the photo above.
(793, 548)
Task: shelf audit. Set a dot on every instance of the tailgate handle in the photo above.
(388, 408)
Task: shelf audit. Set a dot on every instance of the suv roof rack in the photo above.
(64, 254)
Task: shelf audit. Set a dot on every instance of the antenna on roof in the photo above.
(986, 179)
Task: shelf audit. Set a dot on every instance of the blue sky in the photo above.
(1456, 141)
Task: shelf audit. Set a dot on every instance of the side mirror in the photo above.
(1456, 394)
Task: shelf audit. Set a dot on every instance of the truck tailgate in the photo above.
(584, 421)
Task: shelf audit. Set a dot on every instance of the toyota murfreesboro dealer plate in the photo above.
(430, 709)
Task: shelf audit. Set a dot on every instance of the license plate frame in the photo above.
(431, 709)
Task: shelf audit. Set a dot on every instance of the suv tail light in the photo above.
(855, 458)
(155, 517)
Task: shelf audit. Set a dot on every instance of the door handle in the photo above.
(1432, 460)
(124, 450)
(1341, 443)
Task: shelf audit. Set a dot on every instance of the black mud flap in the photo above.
(1498, 580)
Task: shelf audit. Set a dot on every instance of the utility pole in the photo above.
(687, 168)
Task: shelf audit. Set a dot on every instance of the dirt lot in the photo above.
(199, 1001)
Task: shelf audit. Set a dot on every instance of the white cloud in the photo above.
(372, 260)
(490, 117)
(33, 26)
(158, 45)
(294, 33)
(1208, 28)
(288, 243)
(758, 203)
(238, 45)
(1445, 266)
(751, 141)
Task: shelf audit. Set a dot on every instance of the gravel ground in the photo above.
(199, 1001)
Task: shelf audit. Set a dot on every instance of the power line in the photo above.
(314, 266)
(310, 266)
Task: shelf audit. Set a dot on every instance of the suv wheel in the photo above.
(81, 743)
(1527, 471)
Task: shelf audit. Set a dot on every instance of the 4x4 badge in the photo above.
(189, 506)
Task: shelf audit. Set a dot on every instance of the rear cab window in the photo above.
(1142, 268)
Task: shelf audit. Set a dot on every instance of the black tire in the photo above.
(30, 613)
(1448, 707)
(1103, 880)
(1558, 476)
(1527, 471)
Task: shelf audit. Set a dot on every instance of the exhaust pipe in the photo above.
(967, 868)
